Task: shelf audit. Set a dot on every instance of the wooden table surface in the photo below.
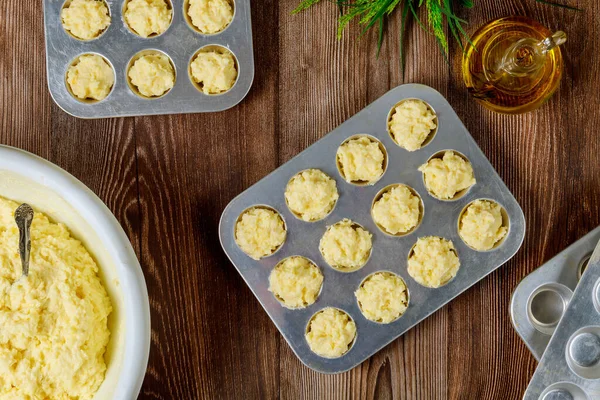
(168, 178)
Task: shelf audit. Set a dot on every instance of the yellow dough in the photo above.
(481, 225)
(361, 160)
(85, 19)
(53, 323)
(260, 232)
(444, 177)
(296, 282)
(331, 333)
(152, 74)
(90, 77)
(214, 71)
(210, 16)
(311, 194)
(346, 246)
(382, 297)
(411, 123)
(433, 262)
(148, 17)
(397, 211)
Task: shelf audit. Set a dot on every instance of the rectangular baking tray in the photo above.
(560, 276)
(118, 45)
(558, 375)
(389, 253)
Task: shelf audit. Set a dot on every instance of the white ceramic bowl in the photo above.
(49, 189)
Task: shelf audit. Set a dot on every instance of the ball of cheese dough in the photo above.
(152, 75)
(444, 177)
(296, 282)
(397, 211)
(210, 16)
(481, 225)
(85, 19)
(433, 261)
(361, 160)
(411, 124)
(90, 77)
(259, 232)
(382, 297)
(330, 333)
(311, 194)
(214, 71)
(346, 246)
(148, 17)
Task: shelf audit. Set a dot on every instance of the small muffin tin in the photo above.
(119, 45)
(389, 253)
(570, 365)
(541, 298)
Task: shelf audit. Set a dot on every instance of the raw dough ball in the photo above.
(147, 17)
(214, 71)
(152, 75)
(210, 16)
(361, 160)
(296, 282)
(85, 19)
(397, 211)
(311, 194)
(259, 232)
(411, 123)
(444, 177)
(331, 333)
(382, 297)
(481, 225)
(433, 261)
(345, 245)
(90, 77)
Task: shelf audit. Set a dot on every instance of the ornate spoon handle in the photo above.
(23, 218)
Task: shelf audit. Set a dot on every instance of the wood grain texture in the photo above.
(168, 178)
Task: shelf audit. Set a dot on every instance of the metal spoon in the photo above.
(23, 218)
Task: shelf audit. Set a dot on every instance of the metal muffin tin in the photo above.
(389, 253)
(570, 366)
(118, 44)
(539, 301)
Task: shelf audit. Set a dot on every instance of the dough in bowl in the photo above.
(446, 176)
(152, 75)
(360, 160)
(54, 322)
(259, 232)
(481, 225)
(85, 19)
(411, 123)
(148, 17)
(382, 297)
(331, 333)
(214, 70)
(433, 261)
(90, 78)
(397, 211)
(311, 194)
(346, 246)
(210, 16)
(296, 282)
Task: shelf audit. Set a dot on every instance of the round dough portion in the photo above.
(210, 16)
(148, 17)
(331, 333)
(296, 282)
(433, 261)
(481, 225)
(259, 232)
(90, 77)
(152, 75)
(444, 177)
(382, 297)
(85, 19)
(346, 246)
(411, 124)
(397, 211)
(214, 71)
(311, 195)
(360, 160)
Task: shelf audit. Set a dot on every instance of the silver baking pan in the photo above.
(389, 253)
(570, 367)
(118, 45)
(540, 299)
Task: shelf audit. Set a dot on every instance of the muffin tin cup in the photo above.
(389, 252)
(118, 44)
